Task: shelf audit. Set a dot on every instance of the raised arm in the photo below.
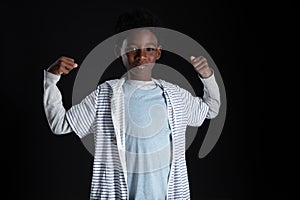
(52, 99)
(211, 94)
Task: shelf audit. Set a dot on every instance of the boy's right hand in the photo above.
(62, 65)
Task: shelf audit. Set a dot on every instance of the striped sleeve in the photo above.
(194, 107)
(81, 117)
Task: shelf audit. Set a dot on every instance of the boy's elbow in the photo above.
(213, 111)
(60, 130)
(212, 115)
(56, 131)
(59, 126)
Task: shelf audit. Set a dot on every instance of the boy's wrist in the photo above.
(51, 76)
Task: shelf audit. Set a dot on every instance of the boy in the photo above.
(138, 155)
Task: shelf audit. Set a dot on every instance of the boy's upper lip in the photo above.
(140, 64)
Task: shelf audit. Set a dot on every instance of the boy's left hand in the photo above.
(201, 66)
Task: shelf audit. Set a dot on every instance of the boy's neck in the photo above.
(145, 77)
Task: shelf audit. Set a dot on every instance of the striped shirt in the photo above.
(102, 113)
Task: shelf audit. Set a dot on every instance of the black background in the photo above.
(41, 165)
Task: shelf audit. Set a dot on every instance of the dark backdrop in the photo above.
(41, 165)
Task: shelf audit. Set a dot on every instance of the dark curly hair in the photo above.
(136, 18)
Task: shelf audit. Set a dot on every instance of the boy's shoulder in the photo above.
(110, 82)
(167, 84)
(172, 87)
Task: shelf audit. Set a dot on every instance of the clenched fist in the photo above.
(62, 65)
(201, 66)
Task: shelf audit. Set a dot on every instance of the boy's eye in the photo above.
(131, 49)
(150, 49)
(135, 50)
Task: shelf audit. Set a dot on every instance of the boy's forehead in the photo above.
(140, 36)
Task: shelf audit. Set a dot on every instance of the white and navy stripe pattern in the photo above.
(102, 113)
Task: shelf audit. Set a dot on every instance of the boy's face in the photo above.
(140, 51)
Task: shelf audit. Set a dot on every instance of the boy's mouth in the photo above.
(141, 66)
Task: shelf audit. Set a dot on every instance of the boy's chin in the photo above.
(140, 67)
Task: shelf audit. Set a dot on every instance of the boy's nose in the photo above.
(141, 54)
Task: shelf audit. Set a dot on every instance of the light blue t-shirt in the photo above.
(148, 141)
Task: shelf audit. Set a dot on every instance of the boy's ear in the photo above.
(117, 51)
(158, 52)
